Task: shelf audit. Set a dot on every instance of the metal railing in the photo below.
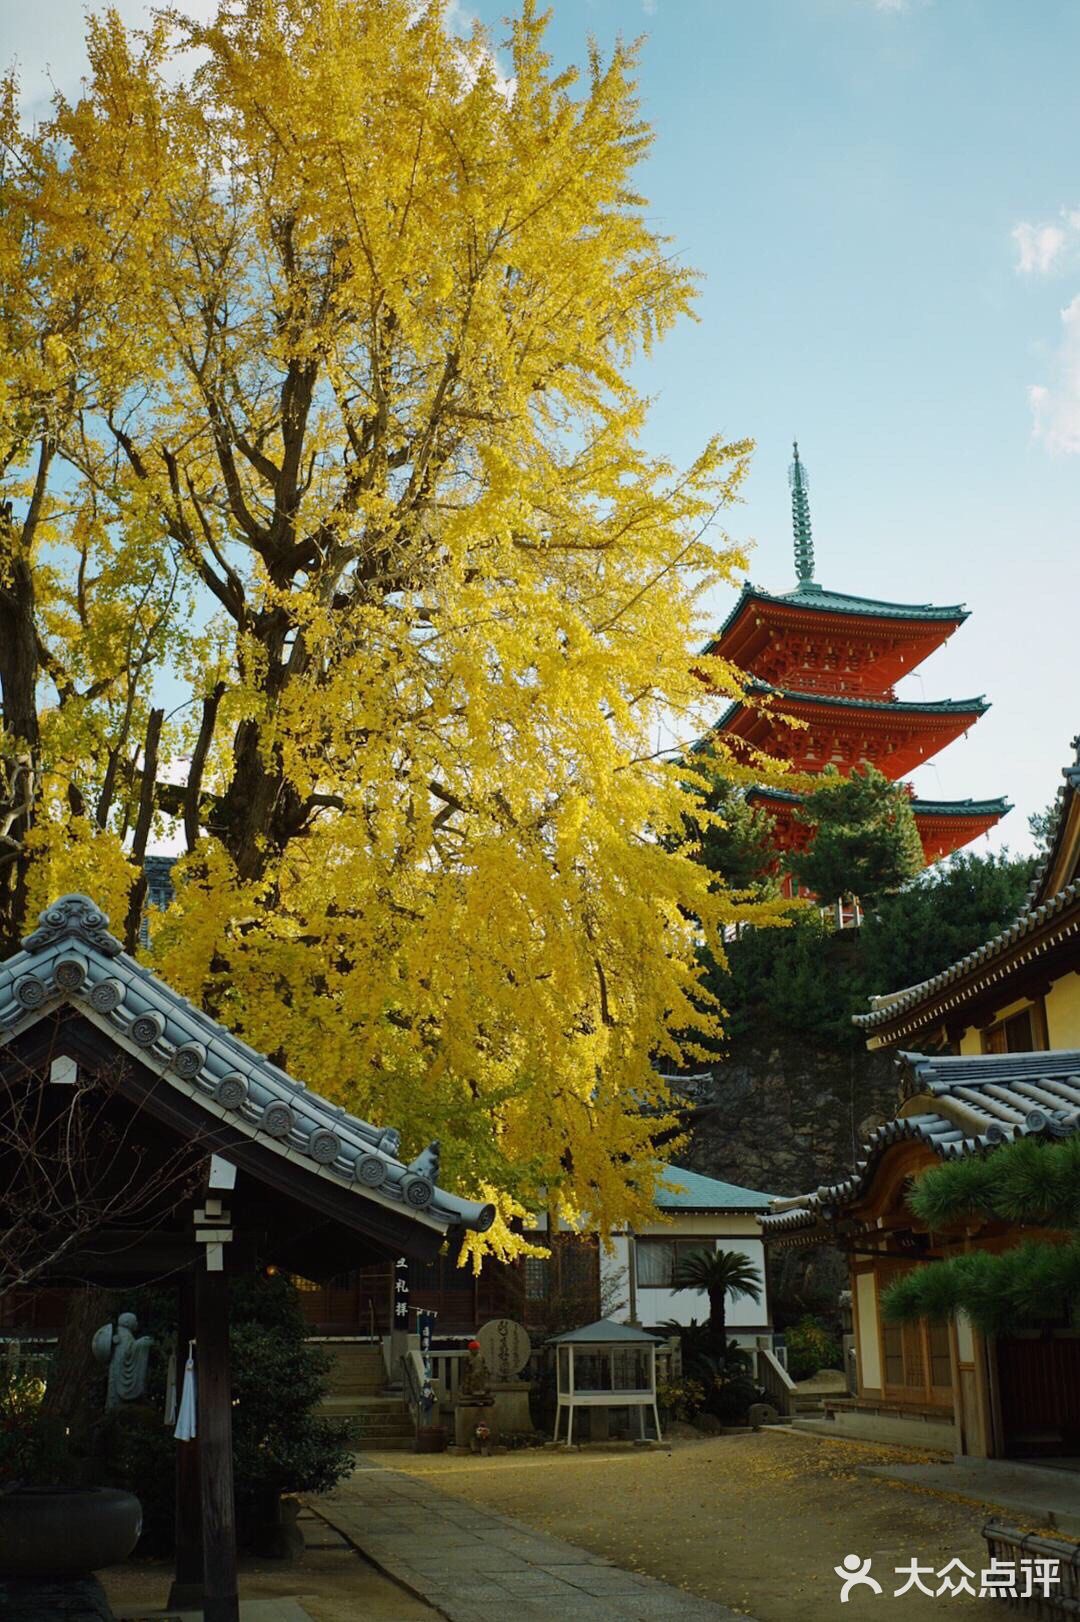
(413, 1383)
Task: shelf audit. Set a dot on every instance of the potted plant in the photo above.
(53, 1535)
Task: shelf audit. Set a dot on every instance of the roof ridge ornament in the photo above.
(800, 518)
(73, 917)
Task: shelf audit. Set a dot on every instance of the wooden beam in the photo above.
(214, 1422)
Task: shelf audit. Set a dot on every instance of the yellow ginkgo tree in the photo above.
(318, 368)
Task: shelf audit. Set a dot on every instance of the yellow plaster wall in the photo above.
(1063, 1012)
(1062, 1007)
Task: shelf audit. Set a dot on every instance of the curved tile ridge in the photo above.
(985, 1100)
(839, 602)
(1069, 785)
(72, 958)
(887, 1007)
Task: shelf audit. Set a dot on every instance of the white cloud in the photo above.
(890, 5)
(649, 7)
(1040, 246)
(1056, 410)
(458, 19)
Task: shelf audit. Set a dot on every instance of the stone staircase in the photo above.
(377, 1418)
(811, 1395)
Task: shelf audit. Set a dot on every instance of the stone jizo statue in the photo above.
(127, 1355)
(474, 1391)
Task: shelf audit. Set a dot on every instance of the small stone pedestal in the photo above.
(512, 1406)
(466, 1418)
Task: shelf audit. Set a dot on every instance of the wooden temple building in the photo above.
(185, 1155)
(831, 661)
(996, 1040)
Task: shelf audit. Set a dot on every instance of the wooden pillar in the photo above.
(186, 1592)
(214, 1420)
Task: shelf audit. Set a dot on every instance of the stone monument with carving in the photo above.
(507, 1348)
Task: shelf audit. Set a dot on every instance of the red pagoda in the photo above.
(831, 661)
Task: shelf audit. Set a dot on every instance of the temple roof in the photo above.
(926, 808)
(972, 1104)
(1060, 862)
(887, 1007)
(808, 595)
(833, 701)
(71, 959)
(1047, 898)
(698, 1193)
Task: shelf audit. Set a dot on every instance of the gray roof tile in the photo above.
(72, 958)
(984, 1100)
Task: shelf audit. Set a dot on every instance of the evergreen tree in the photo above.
(949, 910)
(1041, 826)
(1029, 1181)
(808, 980)
(865, 842)
(735, 839)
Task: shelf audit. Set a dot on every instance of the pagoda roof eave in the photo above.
(816, 599)
(927, 808)
(837, 701)
(962, 808)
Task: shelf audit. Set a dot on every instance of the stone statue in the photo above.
(127, 1356)
(474, 1390)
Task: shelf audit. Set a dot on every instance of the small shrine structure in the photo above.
(261, 1171)
(831, 661)
(605, 1365)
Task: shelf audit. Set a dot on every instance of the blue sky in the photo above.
(884, 199)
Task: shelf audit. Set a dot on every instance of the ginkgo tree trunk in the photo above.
(344, 423)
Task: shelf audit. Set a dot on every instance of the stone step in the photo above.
(345, 1405)
(357, 1370)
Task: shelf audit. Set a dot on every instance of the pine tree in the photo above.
(865, 842)
(1030, 1183)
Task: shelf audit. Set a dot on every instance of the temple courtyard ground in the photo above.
(751, 1524)
(755, 1522)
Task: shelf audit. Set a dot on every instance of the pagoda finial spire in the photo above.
(800, 517)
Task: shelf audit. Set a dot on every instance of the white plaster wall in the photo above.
(965, 1338)
(869, 1351)
(655, 1305)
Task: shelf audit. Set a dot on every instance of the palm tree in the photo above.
(719, 1274)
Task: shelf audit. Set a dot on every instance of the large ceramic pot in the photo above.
(66, 1531)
